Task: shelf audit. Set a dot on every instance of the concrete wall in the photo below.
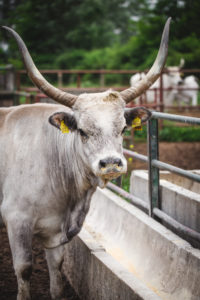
(182, 181)
(177, 201)
(121, 253)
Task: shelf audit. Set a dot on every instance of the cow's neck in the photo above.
(69, 169)
(71, 182)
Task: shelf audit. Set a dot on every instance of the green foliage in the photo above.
(180, 134)
(140, 135)
(52, 26)
(70, 60)
(17, 63)
(171, 133)
(95, 34)
(22, 100)
(126, 182)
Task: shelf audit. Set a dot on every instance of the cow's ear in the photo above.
(63, 121)
(136, 112)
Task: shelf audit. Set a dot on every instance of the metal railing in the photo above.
(154, 166)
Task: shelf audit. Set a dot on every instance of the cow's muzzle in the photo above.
(111, 168)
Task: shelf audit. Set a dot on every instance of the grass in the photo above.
(172, 133)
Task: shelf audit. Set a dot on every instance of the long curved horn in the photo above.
(66, 99)
(155, 71)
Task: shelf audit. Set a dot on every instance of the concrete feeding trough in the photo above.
(121, 253)
(179, 196)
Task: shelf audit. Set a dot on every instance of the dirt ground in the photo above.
(184, 155)
(39, 279)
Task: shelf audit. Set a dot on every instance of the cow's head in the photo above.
(99, 120)
(174, 74)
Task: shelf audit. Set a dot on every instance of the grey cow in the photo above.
(47, 177)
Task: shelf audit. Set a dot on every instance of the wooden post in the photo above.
(78, 80)
(18, 80)
(102, 80)
(10, 78)
(60, 79)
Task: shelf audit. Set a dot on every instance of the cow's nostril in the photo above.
(118, 162)
(103, 163)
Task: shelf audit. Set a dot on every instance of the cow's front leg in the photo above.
(20, 238)
(54, 258)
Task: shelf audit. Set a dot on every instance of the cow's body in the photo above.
(36, 160)
(48, 177)
(52, 159)
(188, 92)
(171, 81)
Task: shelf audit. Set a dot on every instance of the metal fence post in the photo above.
(153, 171)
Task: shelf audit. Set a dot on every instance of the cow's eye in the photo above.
(124, 129)
(82, 133)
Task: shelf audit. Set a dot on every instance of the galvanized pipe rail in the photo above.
(176, 225)
(136, 155)
(134, 200)
(161, 165)
(154, 165)
(176, 118)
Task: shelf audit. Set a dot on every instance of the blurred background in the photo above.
(95, 34)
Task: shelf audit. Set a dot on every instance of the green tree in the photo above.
(52, 26)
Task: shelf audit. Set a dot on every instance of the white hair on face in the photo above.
(101, 117)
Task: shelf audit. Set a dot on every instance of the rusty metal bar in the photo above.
(84, 71)
(104, 71)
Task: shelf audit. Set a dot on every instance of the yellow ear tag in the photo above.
(137, 123)
(64, 127)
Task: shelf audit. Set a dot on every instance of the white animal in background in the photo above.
(188, 92)
(171, 81)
